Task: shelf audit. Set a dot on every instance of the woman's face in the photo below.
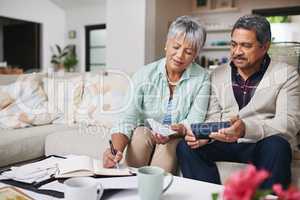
(179, 53)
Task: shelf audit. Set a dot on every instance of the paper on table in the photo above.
(119, 182)
(33, 172)
(107, 183)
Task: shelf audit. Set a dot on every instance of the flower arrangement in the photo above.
(244, 185)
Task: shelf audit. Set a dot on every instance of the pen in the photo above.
(113, 151)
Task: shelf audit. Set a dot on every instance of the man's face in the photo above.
(246, 51)
(179, 53)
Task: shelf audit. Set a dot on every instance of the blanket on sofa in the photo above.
(24, 103)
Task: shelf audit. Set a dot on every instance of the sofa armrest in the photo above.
(296, 155)
(79, 142)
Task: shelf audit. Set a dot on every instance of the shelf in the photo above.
(216, 48)
(217, 10)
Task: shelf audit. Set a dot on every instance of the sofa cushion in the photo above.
(90, 141)
(228, 168)
(26, 143)
(64, 95)
(103, 99)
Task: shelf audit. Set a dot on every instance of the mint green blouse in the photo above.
(149, 97)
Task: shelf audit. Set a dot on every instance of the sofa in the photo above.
(86, 132)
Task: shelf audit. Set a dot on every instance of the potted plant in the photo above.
(64, 59)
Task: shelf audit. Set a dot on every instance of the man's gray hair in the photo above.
(256, 23)
(192, 29)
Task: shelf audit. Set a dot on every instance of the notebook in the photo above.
(75, 166)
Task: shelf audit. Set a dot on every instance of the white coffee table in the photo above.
(181, 188)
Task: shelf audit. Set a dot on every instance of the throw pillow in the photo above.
(29, 106)
(103, 99)
(5, 99)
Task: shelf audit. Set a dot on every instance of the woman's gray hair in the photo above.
(256, 23)
(192, 29)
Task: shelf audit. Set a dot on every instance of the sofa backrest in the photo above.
(8, 79)
(103, 98)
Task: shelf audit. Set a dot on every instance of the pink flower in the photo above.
(292, 193)
(243, 184)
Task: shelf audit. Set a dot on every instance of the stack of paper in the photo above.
(71, 166)
(33, 172)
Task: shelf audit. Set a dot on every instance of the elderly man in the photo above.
(261, 99)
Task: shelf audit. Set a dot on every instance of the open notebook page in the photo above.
(99, 170)
(85, 166)
(76, 166)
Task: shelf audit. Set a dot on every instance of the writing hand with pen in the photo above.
(112, 157)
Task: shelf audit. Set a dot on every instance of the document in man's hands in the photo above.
(85, 166)
(160, 128)
(203, 130)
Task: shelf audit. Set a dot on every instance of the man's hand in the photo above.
(109, 160)
(232, 133)
(192, 141)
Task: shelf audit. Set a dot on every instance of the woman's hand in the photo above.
(180, 129)
(192, 141)
(160, 139)
(109, 160)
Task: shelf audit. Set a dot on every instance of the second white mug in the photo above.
(80, 188)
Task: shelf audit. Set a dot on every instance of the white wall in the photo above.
(125, 34)
(45, 12)
(285, 32)
(1, 43)
(77, 17)
(150, 31)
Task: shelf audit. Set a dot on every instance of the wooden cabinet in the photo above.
(10, 70)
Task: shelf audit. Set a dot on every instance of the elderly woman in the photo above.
(173, 91)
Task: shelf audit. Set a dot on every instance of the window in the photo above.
(95, 47)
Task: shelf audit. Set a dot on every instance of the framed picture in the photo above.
(224, 4)
(201, 4)
(72, 34)
(12, 193)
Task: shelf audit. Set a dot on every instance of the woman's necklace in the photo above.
(172, 83)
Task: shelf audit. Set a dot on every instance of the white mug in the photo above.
(80, 188)
(150, 182)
